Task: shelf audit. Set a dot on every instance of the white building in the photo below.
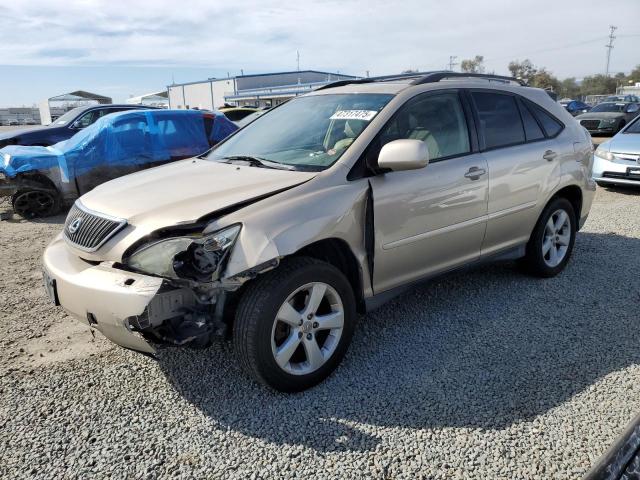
(262, 90)
(154, 99)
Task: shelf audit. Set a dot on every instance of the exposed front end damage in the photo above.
(137, 311)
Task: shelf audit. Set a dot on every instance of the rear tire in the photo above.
(280, 339)
(552, 240)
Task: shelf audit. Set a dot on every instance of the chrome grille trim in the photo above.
(95, 228)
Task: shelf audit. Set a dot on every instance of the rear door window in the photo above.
(500, 122)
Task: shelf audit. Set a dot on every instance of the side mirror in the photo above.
(402, 155)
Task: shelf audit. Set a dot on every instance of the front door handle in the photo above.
(474, 173)
(549, 155)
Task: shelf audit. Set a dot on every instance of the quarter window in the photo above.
(551, 126)
(438, 120)
(531, 128)
(499, 118)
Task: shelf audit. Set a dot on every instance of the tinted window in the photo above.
(235, 115)
(87, 119)
(437, 120)
(499, 119)
(551, 126)
(531, 128)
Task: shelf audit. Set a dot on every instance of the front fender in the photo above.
(284, 224)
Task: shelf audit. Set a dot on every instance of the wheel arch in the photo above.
(336, 252)
(573, 193)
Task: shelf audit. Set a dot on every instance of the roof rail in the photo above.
(382, 78)
(433, 77)
(422, 78)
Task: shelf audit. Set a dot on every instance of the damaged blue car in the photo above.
(41, 180)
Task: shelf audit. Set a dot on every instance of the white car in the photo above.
(617, 161)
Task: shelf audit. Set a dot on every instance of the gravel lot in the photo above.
(482, 374)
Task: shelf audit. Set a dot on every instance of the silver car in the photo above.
(617, 161)
(321, 209)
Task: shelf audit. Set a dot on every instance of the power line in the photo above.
(609, 46)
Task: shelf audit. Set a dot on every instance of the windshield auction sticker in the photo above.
(365, 115)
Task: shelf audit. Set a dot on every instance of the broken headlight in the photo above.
(199, 258)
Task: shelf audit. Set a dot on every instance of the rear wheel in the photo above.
(551, 242)
(294, 324)
(35, 203)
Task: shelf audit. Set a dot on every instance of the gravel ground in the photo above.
(482, 374)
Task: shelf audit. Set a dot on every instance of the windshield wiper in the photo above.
(258, 162)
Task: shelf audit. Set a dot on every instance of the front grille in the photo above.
(90, 230)
(628, 175)
(590, 124)
(628, 156)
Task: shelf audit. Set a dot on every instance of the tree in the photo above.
(523, 70)
(598, 85)
(408, 71)
(473, 65)
(568, 88)
(544, 79)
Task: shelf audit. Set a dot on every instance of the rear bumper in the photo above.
(108, 296)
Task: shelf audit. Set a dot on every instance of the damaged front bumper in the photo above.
(135, 311)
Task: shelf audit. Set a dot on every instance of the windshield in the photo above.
(82, 137)
(67, 117)
(634, 127)
(609, 107)
(309, 133)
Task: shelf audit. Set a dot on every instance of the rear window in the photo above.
(499, 119)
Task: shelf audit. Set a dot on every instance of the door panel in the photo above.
(427, 220)
(520, 180)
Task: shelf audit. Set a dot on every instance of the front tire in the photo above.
(294, 324)
(36, 203)
(552, 240)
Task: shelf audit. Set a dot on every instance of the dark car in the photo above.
(623, 98)
(622, 460)
(608, 117)
(42, 179)
(63, 127)
(575, 107)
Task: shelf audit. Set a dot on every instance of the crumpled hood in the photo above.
(184, 191)
(599, 115)
(26, 159)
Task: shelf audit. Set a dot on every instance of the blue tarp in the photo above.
(122, 139)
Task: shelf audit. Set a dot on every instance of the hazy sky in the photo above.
(118, 48)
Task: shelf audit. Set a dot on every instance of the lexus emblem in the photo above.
(74, 226)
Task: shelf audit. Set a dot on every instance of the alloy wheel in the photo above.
(307, 328)
(556, 238)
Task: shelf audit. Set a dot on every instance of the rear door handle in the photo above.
(474, 173)
(549, 155)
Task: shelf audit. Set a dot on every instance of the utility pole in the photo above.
(451, 62)
(609, 46)
(298, 59)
